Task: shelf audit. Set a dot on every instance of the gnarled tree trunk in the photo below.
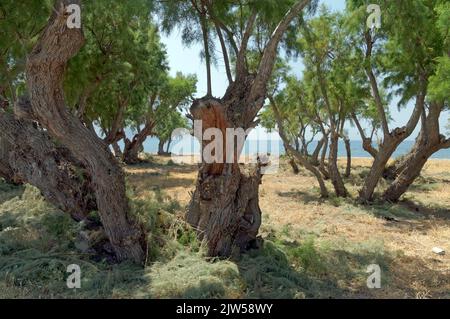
(391, 139)
(45, 74)
(296, 154)
(28, 155)
(224, 208)
(132, 150)
(383, 155)
(427, 143)
(117, 151)
(225, 205)
(136, 146)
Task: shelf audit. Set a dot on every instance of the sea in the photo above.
(252, 147)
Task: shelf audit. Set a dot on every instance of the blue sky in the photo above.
(188, 61)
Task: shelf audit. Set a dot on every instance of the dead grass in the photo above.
(313, 248)
(288, 201)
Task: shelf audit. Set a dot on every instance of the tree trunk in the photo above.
(161, 147)
(408, 175)
(385, 152)
(391, 140)
(6, 171)
(225, 206)
(204, 26)
(322, 164)
(136, 146)
(45, 75)
(427, 143)
(348, 149)
(131, 151)
(169, 143)
(294, 166)
(225, 209)
(298, 155)
(316, 153)
(29, 156)
(117, 151)
(333, 169)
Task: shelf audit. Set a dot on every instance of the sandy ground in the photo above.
(420, 222)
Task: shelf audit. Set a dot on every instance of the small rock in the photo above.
(438, 251)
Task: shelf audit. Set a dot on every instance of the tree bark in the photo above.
(45, 74)
(161, 150)
(391, 140)
(136, 146)
(117, 151)
(161, 147)
(28, 155)
(348, 149)
(225, 210)
(169, 143)
(427, 143)
(333, 169)
(323, 165)
(294, 166)
(387, 148)
(316, 153)
(417, 160)
(225, 206)
(6, 171)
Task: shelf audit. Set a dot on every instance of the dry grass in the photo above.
(291, 206)
(313, 248)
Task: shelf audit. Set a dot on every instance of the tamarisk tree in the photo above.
(394, 55)
(224, 208)
(430, 140)
(45, 70)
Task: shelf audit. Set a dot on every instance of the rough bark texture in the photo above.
(333, 169)
(132, 150)
(224, 208)
(45, 74)
(427, 143)
(28, 155)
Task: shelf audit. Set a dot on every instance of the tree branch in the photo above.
(374, 85)
(267, 63)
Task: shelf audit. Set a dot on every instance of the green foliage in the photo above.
(173, 98)
(120, 64)
(439, 87)
(20, 25)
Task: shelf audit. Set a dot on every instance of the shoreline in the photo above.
(339, 157)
